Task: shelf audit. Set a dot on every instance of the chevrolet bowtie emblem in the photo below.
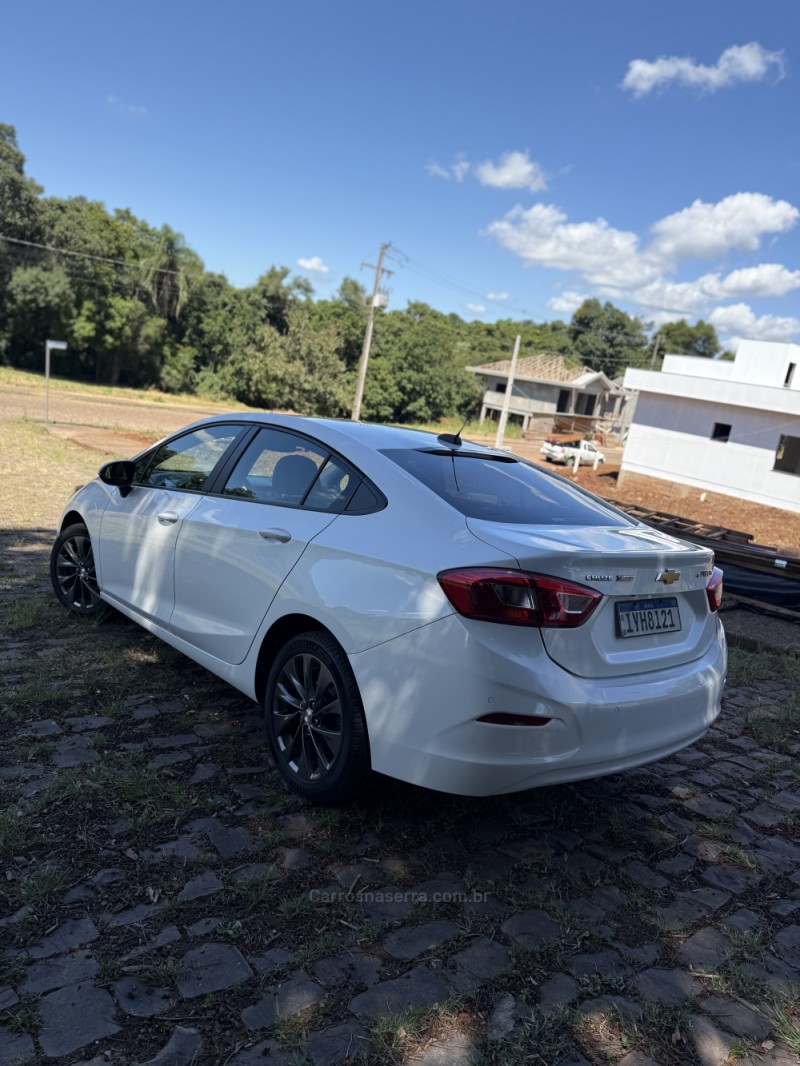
(668, 576)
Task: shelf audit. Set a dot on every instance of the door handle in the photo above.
(282, 536)
(167, 518)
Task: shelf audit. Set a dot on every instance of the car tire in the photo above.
(73, 574)
(315, 720)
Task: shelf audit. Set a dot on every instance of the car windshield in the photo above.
(503, 489)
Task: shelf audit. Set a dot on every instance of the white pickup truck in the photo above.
(564, 451)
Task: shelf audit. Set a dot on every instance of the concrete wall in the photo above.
(671, 438)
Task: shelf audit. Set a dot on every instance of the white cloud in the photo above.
(542, 236)
(456, 171)
(567, 303)
(740, 63)
(136, 110)
(436, 170)
(460, 169)
(766, 279)
(476, 309)
(516, 170)
(704, 230)
(497, 297)
(314, 265)
(740, 322)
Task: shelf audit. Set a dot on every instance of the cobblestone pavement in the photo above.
(165, 901)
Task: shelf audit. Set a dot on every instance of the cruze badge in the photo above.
(668, 576)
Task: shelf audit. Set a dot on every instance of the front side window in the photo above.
(276, 467)
(187, 461)
(504, 489)
(787, 455)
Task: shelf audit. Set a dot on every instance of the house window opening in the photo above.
(789, 375)
(721, 431)
(787, 455)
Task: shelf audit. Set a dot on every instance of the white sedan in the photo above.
(416, 605)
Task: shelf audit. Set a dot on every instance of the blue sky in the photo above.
(520, 155)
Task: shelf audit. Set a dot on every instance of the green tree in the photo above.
(298, 370)
(679, 338)
(607, 339)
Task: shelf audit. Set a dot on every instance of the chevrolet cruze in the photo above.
(397, 601)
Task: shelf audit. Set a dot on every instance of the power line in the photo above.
(86, 255)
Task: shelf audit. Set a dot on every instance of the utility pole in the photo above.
(655, 351)
(380, 270)
(501, 425)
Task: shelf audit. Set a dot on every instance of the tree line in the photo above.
(137, 308)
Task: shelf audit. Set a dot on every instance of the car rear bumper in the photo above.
(424, 692)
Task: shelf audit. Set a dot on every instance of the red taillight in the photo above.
(714, 589)
(517, 598)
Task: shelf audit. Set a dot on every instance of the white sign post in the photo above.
(50, 346)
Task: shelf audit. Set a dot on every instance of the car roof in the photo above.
(372, 434)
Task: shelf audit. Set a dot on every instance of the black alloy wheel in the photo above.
(73, 574)
(315, 720)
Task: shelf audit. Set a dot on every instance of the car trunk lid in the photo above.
(654, 613)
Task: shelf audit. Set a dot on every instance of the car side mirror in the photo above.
(120, 472)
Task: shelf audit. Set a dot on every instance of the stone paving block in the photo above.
(666, 986)
(204, 926)
(765, 816)
(559, 991)
(264, 1053)
(641, 874)
(738, 1018)
(484, 959)
(168, 935)
(205, 884)
(741, 921)
(171, 758)
(454, 1050)
(8, 998)
(43, 727)
(69, 935)
(86, 722)
(177, 740)
(708, 807)
(75, 1016)
(708, 949)
(338, 969)
(139, 914)
(532, 928)
(230, 840)
(732, 879)
(255, 871)
(211, 968)
(386, 904)
(417, 988)
(606, 962)
(270, 961)
(140, 999)
(345, 1043)
(504, 1017)
(182, 1049)
(58, 972)
(74, 751)
(15, 1047)
(637, 1058)
(204, 771)
(287, 999)
(711, 1044)
(787, 942)
(413, 941)
(602, 1006)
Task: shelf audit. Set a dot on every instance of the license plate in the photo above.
(640, 618)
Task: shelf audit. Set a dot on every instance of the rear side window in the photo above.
(503, 489)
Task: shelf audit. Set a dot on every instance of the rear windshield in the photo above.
(504, 489)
